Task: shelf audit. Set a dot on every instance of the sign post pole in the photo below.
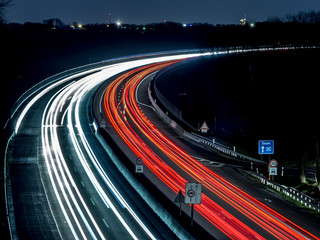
(272, 168)
(139, 166)
(193, 196)
(191, 215)
(179, 199)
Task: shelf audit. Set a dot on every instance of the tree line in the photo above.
(310, 17)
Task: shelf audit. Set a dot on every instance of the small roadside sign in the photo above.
(266, 147)
(179, 198)
(139, 168)
(139, 161)
(103, 123)
(273, 171)
(193, 193)
(204, 127)
(273, 163)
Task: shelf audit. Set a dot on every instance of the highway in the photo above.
(86, 196)
(142, 137)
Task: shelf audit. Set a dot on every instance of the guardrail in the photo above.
(290, 192)
(213, 143)
(223, 148)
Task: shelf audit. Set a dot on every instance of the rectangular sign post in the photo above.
(273, 171)
(139, 169)
(193, 196)
(139, 166)
(266, 147)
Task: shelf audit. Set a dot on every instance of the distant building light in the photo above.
(252, 25)
(118, 23)
(184, 25)
(79, 26)
(243, 21)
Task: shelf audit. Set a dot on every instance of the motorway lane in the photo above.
(53, 117)
(55, 133)
(232, 172)
(222, 220)
(34, 219)
(282, 233)
(151, 220)
(89, 214)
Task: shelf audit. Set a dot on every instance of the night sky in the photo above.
(148, 11)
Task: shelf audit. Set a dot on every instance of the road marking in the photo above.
(92, 201)
(105, 222)
(268, 200)
(208, 162)
(82, 183)
(75, 169)
(136, 93)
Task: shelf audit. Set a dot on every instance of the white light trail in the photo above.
(72, 204)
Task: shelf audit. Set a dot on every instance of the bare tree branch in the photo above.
(4, 4)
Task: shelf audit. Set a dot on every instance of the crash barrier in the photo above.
(169, 220)
(213, 143)
(290, 192)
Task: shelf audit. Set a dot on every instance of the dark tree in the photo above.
(302, 164)
(311, 17)
(3, 7)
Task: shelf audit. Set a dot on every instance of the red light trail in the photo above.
(131, 115)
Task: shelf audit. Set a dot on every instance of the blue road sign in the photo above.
(266, 147)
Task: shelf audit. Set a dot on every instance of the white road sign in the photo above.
(139, 161)
(273, 171)
(193, 193)
(273, 163)
(139, 168)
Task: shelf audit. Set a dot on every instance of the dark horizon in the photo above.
(143, 12)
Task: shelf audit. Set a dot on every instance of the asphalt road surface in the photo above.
(61, 183)
(244, 209)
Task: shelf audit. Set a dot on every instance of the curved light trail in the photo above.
(62, 111)
(125, 114)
